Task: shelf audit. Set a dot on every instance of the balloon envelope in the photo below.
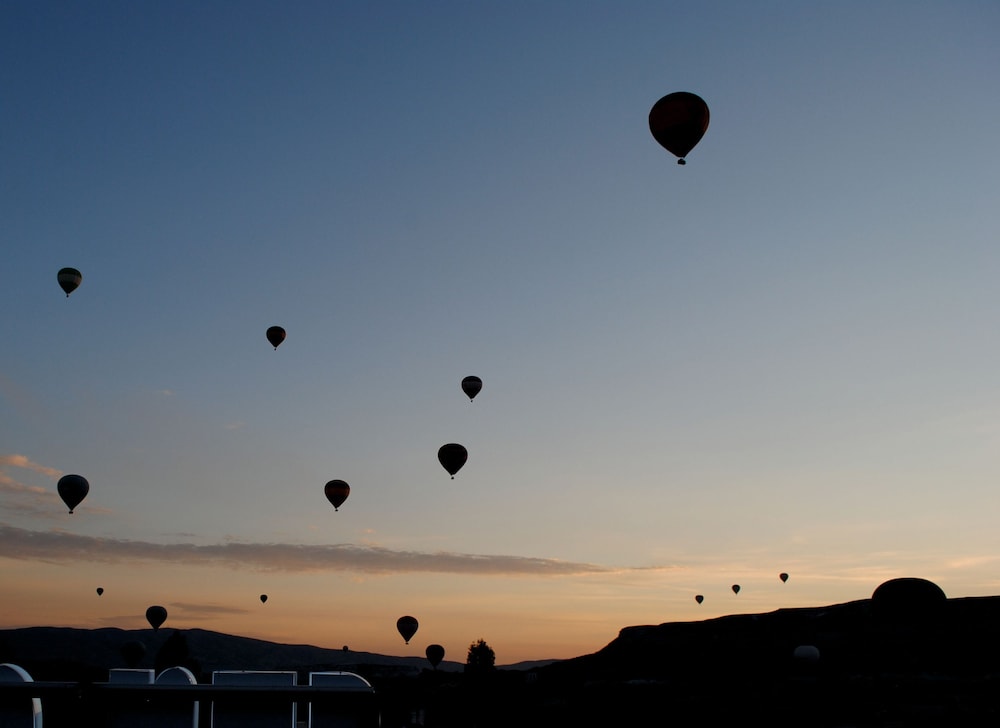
(156, 616)
(471, 387)
(452, 457)
(275, 335)
(100, 590)
(699, 598)
(678, 121)
(263, 598)
(407, 627)
(132, 651)
(435, 653)
(736, 588)
(69, 279)
(783, 576)
(337, 492)
(806, 653)
(72, 489)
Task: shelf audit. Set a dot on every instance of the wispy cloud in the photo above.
(23, 461)
(60, 547)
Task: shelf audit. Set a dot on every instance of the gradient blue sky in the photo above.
(781, 357)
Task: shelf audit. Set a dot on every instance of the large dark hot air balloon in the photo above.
(275, 335)
(452, 457)
(156, 616)
(263, 598)
(100, 590)
(407, 627)
(783, 576)
(908, 602)
(69, 279)
(678, 121)
(435, 653)
(72, 489)
(736, 588)
(337, 492)
(471, 387)
(699, 598)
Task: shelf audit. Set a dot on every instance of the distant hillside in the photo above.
(906, 657)
(96, 651)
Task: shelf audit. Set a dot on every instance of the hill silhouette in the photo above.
(906, 657)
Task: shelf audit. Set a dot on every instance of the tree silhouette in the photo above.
(481, 657)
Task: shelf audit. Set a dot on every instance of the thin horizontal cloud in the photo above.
(23, 461)
(62, 547)
(190, 610)
(9, 485)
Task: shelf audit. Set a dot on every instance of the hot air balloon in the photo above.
(275, 335)
(699, 598)
(337, 492)
(736, 588)
(156, 616)
(132, 651)
(452, 457)
(69, 279)
(806, 653)
(783, 576)
(435, 653)
(407, 627)
(72, 489)
(263, 598)
(471, 387)
(100, 590)
(678, 121)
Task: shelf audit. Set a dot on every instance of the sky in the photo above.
(781, 357)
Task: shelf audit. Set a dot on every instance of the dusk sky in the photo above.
(781, 357)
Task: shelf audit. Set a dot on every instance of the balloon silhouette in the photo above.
(699, 598)
(263, 598)
(407, 627)
(100, 590)
(72, 489)
(678, 121)
(806, 653)
(452, 457)
(156, 616)
(783, 576)
(736, 588)
(275, 335)
(132, 651)
(435, 653)
(69, 279)
(471, 387)
(336, 492)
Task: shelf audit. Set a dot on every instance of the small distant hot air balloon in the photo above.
(806, 653)
(452, 457)
(72, 489)
(435, 653)
(263, 598)
(736, 588)
(699, 598)
(678, 121)
(156, 615)
(275, 335)
(100, 590)
(407, 627)
(132, 651)
(69, 279)
(471, 387)
(783, 576)
(336, 492)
